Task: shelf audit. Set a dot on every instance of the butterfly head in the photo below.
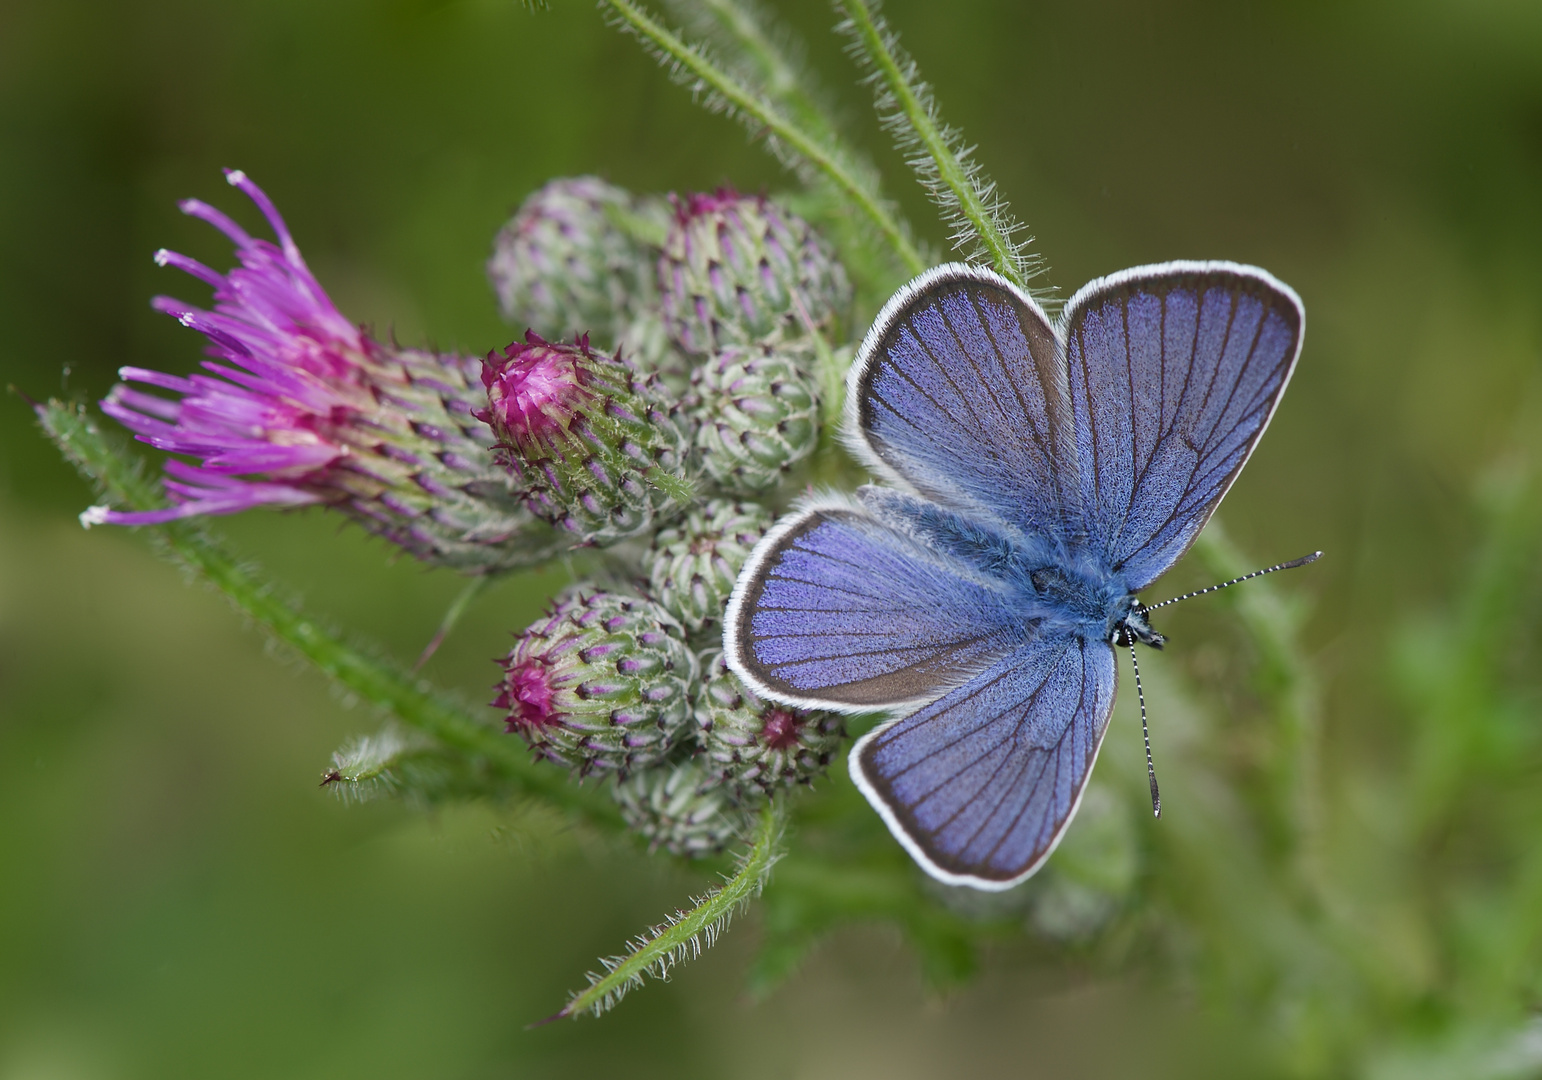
(1132, 626)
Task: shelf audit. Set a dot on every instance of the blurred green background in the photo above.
(179, 899)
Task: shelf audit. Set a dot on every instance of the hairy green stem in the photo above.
(686, 934)
(740, 99)
(953, 174)
(783, 79)
(382, 683)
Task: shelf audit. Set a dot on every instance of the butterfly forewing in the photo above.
(960, 392)
(1174, 373)
(838, 609)
(980, 784)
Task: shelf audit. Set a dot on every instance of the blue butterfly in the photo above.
(1039, 475)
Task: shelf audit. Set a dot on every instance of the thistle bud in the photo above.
(755, 746)
(758, 414)
(598, 451)
(572, 261)
(737, 269)
(679, 808)
(602, 683)
(693, 564)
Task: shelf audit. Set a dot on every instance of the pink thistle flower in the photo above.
(287, 374)
(298, 405)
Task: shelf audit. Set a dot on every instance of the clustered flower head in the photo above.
(666, 376)
(753, 302)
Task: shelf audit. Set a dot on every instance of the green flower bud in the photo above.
(759, 414)
(693, 564)
(758, 747)
(737, 269)
(572, 262)
(603, 682)
(599, 450)
(681, 809)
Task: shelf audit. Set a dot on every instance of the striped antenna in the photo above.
(1145, 733)
(1313, 557)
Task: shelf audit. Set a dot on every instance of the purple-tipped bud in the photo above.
(527, 694)
(300, 406)
(603, 682)
(599, 450)
(741, 269)
(578, 258)
(757, 746)
(536, 391)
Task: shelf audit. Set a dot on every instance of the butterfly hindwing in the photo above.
(1174, 373)
(838, 609)
(980, 784)
(959, 391)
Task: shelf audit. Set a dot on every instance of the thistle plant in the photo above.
(675, 373)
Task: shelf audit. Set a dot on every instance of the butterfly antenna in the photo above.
(1145, 733)
(1313, 557)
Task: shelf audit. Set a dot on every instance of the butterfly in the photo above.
(1037, 475)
